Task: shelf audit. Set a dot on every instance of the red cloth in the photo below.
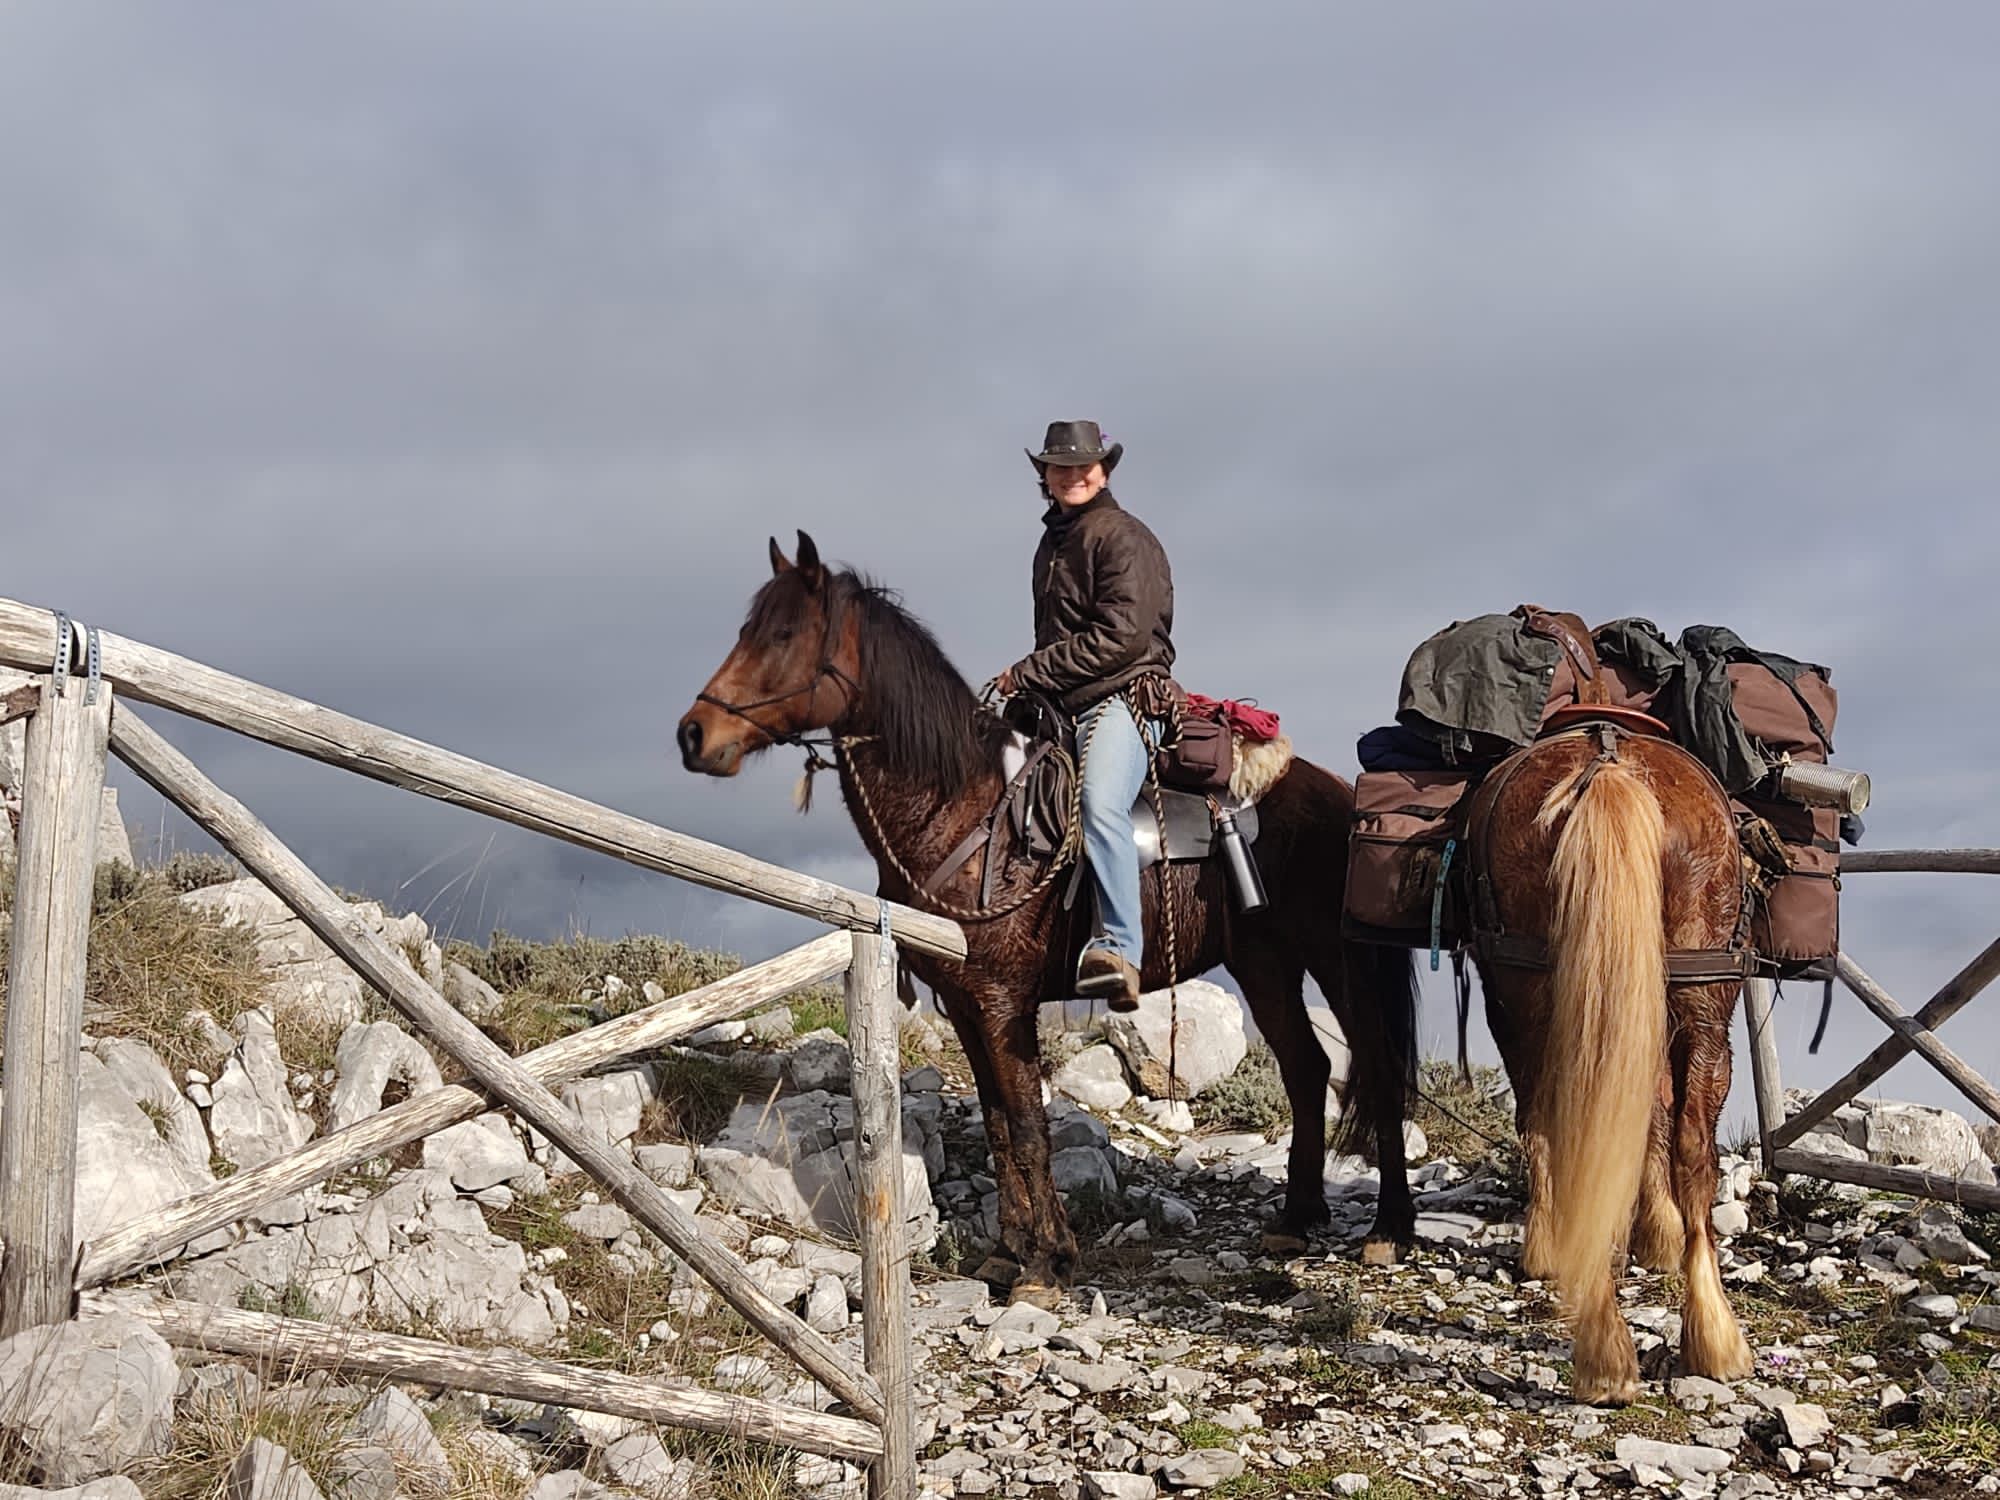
(1246, 719)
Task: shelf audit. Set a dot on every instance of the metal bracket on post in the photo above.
(59, 667)
(75, 642)
(93, 662)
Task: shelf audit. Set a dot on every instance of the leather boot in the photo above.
(1104, 973)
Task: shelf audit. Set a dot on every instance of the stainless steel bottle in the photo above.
(1244, 878)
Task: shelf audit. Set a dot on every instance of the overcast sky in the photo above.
(449, 364)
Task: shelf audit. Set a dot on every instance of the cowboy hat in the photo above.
(1075, 445)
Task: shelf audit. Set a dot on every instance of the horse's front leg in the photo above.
(1016, 1244)
(1049, 1257)
(1037, 1253)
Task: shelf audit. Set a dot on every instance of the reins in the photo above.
(828, 667)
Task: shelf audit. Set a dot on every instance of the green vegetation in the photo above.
(292, 1301)
(1467, 1121)
(1250, 1099)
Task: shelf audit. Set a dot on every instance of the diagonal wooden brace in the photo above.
(234, 827)
(1919, 1037)
(1957, 993)
(153, 1237)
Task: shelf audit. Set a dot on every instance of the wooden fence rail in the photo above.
(1780, 1136)
(370, 955)
(285, 1345)
(41, 1276)
(148, 675)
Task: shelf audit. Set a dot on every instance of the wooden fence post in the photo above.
(873, 1035)
(1758, 1016)
(55, 867)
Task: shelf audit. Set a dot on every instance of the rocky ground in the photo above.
(1186, 1361)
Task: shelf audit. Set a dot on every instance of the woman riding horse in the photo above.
(920, 765)
(1104, 615)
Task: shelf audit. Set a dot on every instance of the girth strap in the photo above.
(1518, 950)
(981, 836)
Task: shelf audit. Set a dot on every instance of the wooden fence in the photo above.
(79, 708)
(1779, 1136)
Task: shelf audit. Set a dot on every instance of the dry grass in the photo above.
(697, 1095)
(564, 969)
(543, 986)
(153, 962)
(308, 1421)
(477, 1474)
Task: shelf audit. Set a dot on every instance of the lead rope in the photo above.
(1166, 899)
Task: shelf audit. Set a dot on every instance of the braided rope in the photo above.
(1166, 896)
(1064, 856)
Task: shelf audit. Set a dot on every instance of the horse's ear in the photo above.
(779, 562)
(809, 560)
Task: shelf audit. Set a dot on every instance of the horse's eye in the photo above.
(785, 636)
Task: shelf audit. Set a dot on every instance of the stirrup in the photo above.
(1117, 982)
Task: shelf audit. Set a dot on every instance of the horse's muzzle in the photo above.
(701, 756)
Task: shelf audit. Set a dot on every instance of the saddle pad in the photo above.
(1190, 830)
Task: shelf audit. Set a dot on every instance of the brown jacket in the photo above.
(1104, 605)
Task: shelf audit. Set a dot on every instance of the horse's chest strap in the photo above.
(981, 836)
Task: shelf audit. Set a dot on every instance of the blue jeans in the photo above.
(1114, 771)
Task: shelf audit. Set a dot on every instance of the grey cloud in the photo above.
(449, 364)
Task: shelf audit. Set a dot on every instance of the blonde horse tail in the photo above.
(1608, 1019)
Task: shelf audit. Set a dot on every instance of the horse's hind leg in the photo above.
(1272, 986)
(1712, 1342)
(1659, 1236)
(1515, 1011)
(1372, 991)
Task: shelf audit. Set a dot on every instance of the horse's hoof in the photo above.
(1381, 1252)
(998, 1271)
(1606, 1390)
(1281, 1239)
(1043, 1294)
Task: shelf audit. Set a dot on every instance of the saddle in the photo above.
(1030, 821)
(1595, 693)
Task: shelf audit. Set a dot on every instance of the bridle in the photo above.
(828, 642)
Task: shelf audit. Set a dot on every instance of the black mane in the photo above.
(928, 723)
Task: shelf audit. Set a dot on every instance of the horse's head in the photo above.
(796, 667)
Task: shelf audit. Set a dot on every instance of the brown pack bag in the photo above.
(1796, 925)
(1793, 719)
(1796, 928)
(1403, 821)
(1201, 758)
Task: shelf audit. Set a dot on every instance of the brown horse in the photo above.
(919, 761)
(1620, 850)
